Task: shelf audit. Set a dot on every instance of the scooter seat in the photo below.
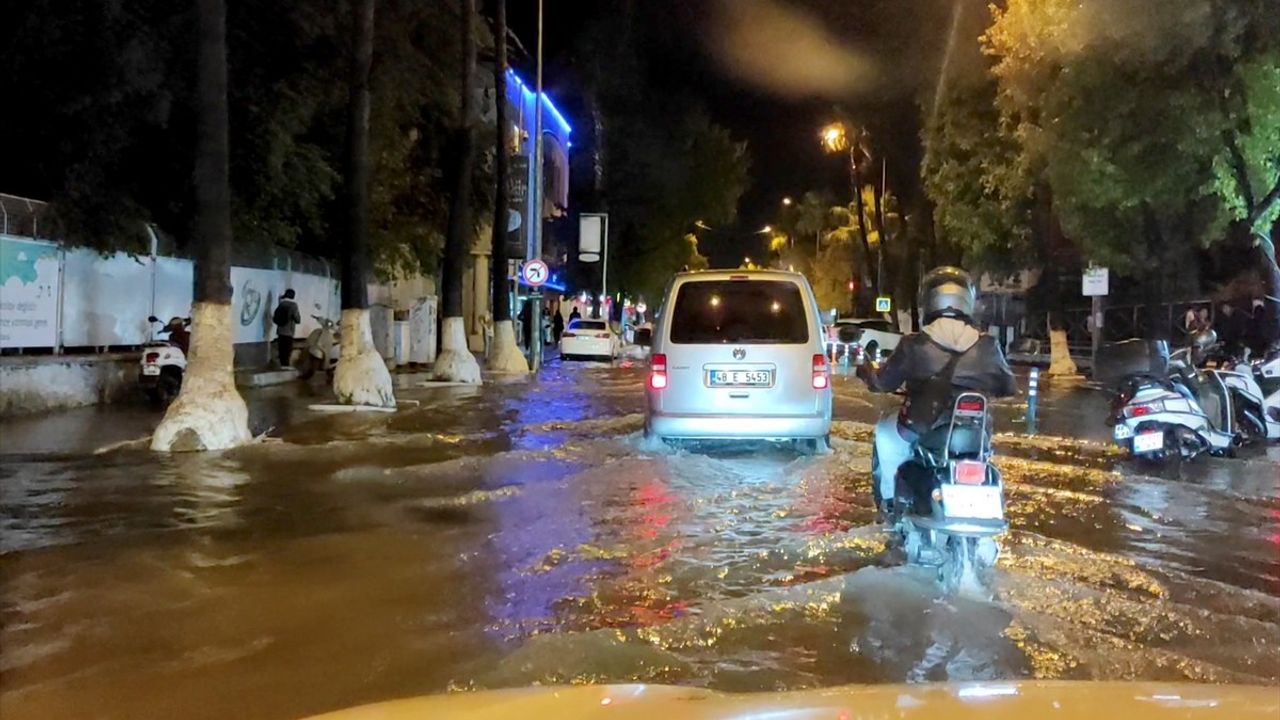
(966, 441)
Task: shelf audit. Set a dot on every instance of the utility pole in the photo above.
(604, 274)
(535, 253)
(881, 229)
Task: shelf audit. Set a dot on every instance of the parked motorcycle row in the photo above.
(1178, 406)
(164, 358)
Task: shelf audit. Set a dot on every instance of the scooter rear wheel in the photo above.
(959, 563)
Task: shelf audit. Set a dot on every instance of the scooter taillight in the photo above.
(1144, 409)
(970, 472)
(151, 357)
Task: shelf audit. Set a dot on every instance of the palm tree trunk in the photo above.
(455, 362)
(505, 355)
(860, 303)
(361, 377)
(209, 413)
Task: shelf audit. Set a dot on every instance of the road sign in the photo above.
(593, 229)
(535, 273)
(884, 304)
(1094, 283)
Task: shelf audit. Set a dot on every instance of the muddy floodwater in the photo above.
(525, 533)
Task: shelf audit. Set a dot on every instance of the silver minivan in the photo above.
(739, 354)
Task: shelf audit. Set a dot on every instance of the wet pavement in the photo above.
(525, 533)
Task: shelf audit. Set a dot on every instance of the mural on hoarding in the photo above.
(29, 289)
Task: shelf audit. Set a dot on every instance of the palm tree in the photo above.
(361, 377)
(505, 355)
(209, 413)
(455, 362)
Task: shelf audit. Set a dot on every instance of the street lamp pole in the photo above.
(880, 230)
(535, 253)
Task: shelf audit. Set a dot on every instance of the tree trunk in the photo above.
(877, 193)
(361, 377)
(866, 285)
(1060, 362)
(1271, 282)
(504, 355)
(1154, 319)
(209, 413)
(455, 363)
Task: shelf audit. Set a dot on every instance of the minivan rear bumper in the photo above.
(738, 427)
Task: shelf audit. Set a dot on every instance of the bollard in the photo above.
(1032, 390)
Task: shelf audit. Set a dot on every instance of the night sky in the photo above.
(881, 60)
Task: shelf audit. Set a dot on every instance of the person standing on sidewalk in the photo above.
(286, 318)
(557, 326)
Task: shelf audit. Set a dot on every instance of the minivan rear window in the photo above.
(740, 312)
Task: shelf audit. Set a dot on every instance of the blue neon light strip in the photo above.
(553, 286)
(546, 100)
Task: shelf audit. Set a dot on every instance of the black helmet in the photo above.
(947, 292)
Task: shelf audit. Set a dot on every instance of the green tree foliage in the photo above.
(971, 170)
(103, 89)
(840, 250)
(663, 170)
(1152, 127)
(107, 93)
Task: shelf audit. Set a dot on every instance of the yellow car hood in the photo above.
(989, 701)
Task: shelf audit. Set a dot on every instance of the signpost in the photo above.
(593, 245)
(1095, 283)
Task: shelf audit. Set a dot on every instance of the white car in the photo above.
(861, 338)
(588, 339)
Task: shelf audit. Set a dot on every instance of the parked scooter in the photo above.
(1166, 407)
(322, 349)
(949, 504)
(164, 362)
(1256, 396)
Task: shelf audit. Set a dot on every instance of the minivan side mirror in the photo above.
(644, 337)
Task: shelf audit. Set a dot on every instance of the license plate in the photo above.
(150, 369)
(1148, 441)
(739, 378)
(980, 502)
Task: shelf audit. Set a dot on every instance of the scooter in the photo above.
(949, 504)
(1255, 390)
(322, 348)
(163, 363)
(1157, 417)
(1177, 410)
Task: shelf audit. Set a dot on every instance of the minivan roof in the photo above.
(730, 274)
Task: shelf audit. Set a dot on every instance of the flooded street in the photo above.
(525, 533)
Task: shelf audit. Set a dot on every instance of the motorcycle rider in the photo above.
(949, 355)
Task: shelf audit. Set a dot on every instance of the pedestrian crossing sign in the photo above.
(884, 304)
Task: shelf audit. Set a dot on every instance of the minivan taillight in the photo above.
(152, 357)
(658, 371)
(821, 372)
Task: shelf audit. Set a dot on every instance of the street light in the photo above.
(766, 229)
(835, 137)
(786, 202)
